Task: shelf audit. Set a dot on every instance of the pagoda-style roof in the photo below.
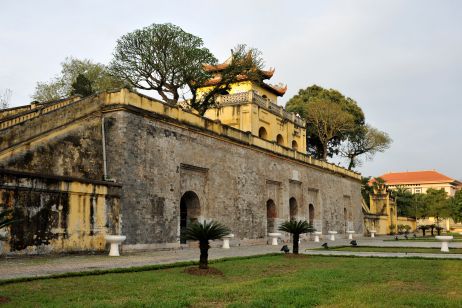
(266, 74)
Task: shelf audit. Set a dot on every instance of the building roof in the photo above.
(417, 177)
(216, 69)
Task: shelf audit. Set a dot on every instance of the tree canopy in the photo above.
(366, 141)
(77, 76)
(328, 121)
(351, 141)
(166, 59)
(455, 205)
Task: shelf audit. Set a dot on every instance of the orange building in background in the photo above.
(418, 182)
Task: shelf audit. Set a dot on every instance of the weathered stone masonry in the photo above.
(159, 154)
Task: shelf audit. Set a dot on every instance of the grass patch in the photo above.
(420, 239)
(393, 249)
(265, 281)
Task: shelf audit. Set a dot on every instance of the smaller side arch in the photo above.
(280, 140)
(294, 145)
(293, 208)
(271, 215)
(262, 133)
(311, 213)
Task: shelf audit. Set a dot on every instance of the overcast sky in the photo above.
(400, 60)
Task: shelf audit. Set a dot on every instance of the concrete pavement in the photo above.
(37, 266)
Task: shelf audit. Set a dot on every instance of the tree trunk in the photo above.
(204, 258)
(423, 232)
(295, 248)
(324, 152)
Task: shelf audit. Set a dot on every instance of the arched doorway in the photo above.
(189, 211)
(270, 216)
(311, 213)
(294, 145)
(262, 133)
(280, 140)
(293, 208)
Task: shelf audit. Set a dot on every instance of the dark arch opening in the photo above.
(270, 215)
(262, 133)
(280, 140)
(293, 208)
(189, 211)
(311, 213)
(294, 145)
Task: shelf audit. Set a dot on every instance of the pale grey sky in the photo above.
(401, 60)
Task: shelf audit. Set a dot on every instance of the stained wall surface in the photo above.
(157, 162)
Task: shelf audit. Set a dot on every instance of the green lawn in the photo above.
(270, 281)
(393, 249)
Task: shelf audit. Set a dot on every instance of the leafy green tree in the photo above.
(438, 205)
(63, 85)
(366, 141)
(312, 94)
(420, 205)
(455, 204)
(205, 232)
(296, 228)
(82, 86)
(166, 59)
(366, 189)
(404, 202)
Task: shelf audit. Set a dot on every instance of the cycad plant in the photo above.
(205, 232)
(296, 227)
(423, 228)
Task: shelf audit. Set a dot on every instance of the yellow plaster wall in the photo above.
(82, 217)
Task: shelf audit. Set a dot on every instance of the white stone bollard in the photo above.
(372, 233)
(115, 241)
(445, 239)
(274, 237)
(316, 236)
(226, 239)
(350, 234)
(332, 235)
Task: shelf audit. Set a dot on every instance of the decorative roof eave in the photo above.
(219, 67)
(274, 89)
(279, 91)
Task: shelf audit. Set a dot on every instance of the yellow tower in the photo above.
(252, 107)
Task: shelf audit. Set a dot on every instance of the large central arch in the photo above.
(190, 211)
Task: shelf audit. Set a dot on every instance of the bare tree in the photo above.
(5, 98)
(366, 143)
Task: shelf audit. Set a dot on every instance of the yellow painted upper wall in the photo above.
(251, 108)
